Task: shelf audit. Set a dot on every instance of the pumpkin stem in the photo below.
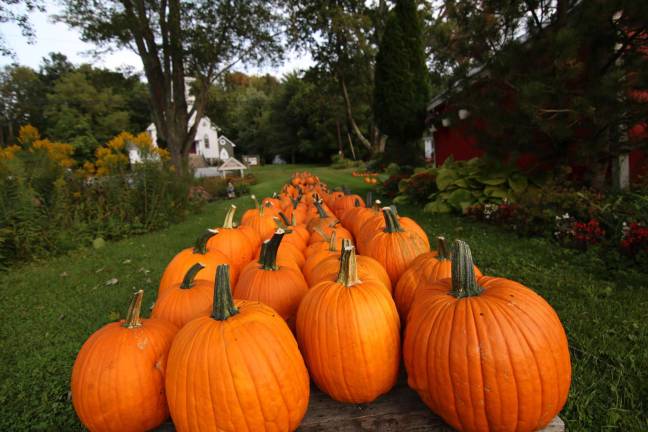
(442, 248)
(200, 247)
(356, 203)
(332, 242)
(391, 222)
(260, 208)
(294, 202)
(320, 210)
(321, 232)
(268, 260)
(377, 205)
(284, 218)
(348, 274)
(464, 282)
(133, 315)
(229, 217)
(224, 306)
(369, 199)
(188, 280)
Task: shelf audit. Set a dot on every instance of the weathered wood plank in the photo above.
(399, 410)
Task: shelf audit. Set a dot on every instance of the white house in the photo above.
(208, 143)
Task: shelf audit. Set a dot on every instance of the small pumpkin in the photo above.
(260, 219)
(396, 246)
(233, 242)
(238, 369)
(332, 249)
(280, 287)
(176, 269)
(490, 343)
(185, 301)
(367, 267)
(349, 333)
(118, 375)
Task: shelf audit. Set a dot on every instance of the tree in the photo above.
(20, 101)
(85, 116)
(551, 78)
(341, 36)
(178, 39)
(401, 90)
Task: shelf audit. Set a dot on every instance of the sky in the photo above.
(58, 37)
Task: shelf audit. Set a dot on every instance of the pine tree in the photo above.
(401, 89)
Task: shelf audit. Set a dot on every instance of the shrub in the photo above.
(47, 208)
(338, 162)
(216, 187)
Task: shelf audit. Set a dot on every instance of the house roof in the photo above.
(232, 164)
(222, 140)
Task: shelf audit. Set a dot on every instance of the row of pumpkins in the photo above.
(321, 285)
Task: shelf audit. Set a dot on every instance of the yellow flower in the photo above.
(28, 134)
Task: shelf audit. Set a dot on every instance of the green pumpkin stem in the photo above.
(284, 218)
(229, 217)
(133, 315)
(320, 210)
(268, 260)
(200, 247)
(377, 205)
(188, 280)
(369, 199)
(294, 202)
(442, 248)
(464, 282)
(348, 274)
(224, 306)
(356, 203)
(392, 225)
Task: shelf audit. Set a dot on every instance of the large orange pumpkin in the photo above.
(486, 354)
(279, 287)
(236, 370)
(176, 269)
(349, 333)
(185, 301)
(396, 246)
(233, 242)
(118, 375)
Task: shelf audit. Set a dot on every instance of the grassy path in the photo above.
(51, 307)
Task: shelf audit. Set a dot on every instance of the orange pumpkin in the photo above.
(233, 242)
(491, 343)
(426, 269)
(236, 370)
(332, 249)
(322, 219)
(349, 333)
(297, 235)
(324, 234)
(260, 219)
(279, 287)
(118, 375)
(342, 205)
(312, 249)
(395, 247)
(176, 269)
(368, 268)
(185, 301)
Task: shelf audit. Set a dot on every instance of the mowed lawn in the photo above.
(51, 307)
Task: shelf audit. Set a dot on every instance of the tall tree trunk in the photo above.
(339, 138)
(353, 154)
(2, 141)
(379, 140)
(349, 112)
(10, 133)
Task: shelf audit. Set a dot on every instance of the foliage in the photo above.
(556, 79)
(401, 91)
(47, 208)
(457, 185)
(83, 105)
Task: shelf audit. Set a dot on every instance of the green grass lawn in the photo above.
(51, 307)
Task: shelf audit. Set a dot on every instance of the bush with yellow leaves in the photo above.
(113, 158)
(29, 140)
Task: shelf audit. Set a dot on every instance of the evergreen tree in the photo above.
(401, 89)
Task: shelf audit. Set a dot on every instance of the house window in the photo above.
(206, 141)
